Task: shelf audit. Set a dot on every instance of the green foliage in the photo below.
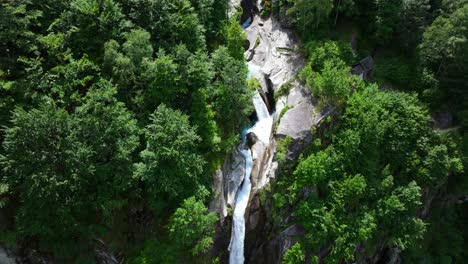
(282, 146)
(88, 24)
(137, 46)
(283, 90)
(396, 70)
(284, 110)
(309, 14)
(387, 15)
(347, 8)
(294, 255)
(443, 50)
(231, 93)
(80, 82)
(326, 75)
(319, 52)
(163, 78)
(171, 167)
(370, 179)
(444, 240)
(235, 38)
(192, 228)
(413, 19)
(67, 155)
(332, 84)
(156, 251)
(16, 34)
(176, 22)
(267, 8)
(212, 15)
(203, 117)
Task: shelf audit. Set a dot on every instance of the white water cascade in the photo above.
(262, 129)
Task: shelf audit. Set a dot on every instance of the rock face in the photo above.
(275, 52)
(103, 253)
(249, 8)
(283, 18)
(233, 174)
(273, 251)
(261, 158)
(274, 61)
(6, 257)
(233, 4)
(300, 116)
(219, 202)
(299, 119)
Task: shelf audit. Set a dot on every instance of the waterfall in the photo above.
(238, 220)
(262, 129)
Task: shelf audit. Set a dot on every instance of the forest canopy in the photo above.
(115, 115)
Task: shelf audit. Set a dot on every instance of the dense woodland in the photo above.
(116, 113)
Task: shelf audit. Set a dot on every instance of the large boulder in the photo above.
(299, 116)
(251, 139)
(297, 121)
(233, 175)
(262, 156)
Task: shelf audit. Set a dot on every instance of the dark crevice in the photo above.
(249, 8)
(270, 95)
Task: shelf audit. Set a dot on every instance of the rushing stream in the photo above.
(262, 129)
(238, 219)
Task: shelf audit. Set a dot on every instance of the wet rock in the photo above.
(246, 45)
(269, 95)
(250, 55)
(254, 215)
(233, 172)
(218, 204)
(103, 253)
(262, 156)
(6, 256)
(253, 220)
(251, 139)
(249, 8)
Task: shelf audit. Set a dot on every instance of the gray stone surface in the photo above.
(6, 257)
(273, 251)
(233, 172)
(297, 121)
(218, 204)
(277, 53)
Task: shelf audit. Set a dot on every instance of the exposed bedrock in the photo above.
(300, 116)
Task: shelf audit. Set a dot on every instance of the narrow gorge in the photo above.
(233, 131)
(274, 60)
